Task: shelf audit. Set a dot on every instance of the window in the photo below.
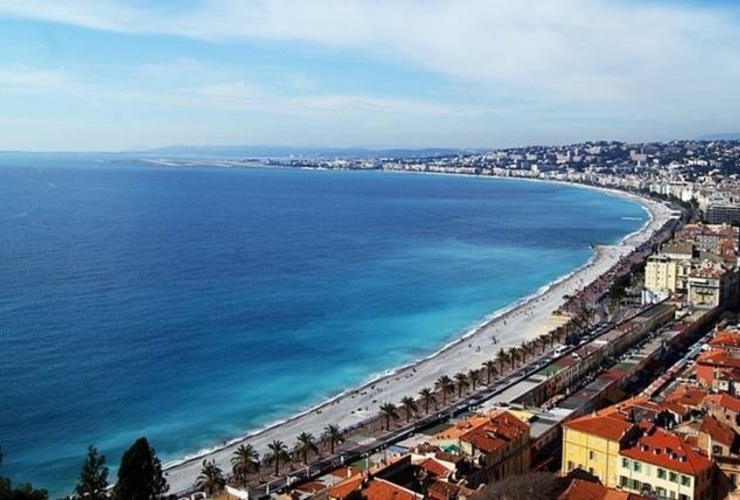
(623, 481)
(636, 485)
(591, 455)
(626, 463)
(661, 473)
(716, 450)
(673, 477)
(733, 479)
(637, 466)
(591, 470)
(683, 497)
(685, 480)
(661, 492)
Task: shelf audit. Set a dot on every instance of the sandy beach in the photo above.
(527, 320)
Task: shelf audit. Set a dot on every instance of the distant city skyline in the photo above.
(122, 75)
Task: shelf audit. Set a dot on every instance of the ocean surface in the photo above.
(191, 305)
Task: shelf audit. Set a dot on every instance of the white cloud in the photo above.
(660, 65)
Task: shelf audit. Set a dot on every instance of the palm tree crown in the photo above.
(277, 453)
(446, 386)
(409, 406)
(462, 383)
(389, 411)
(305, 445)
(245, 461)
(333, 435)
(427, 395)
(211, 478)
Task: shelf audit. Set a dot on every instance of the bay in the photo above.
(191, 305)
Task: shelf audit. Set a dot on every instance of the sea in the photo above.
(192, 305)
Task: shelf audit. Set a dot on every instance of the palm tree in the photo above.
(502, 357)
(332, 435)
(409, 406)
(305, 445)
(211, 478)
(278, 453)
(427, 395)
(491, 370)
(526, 349)
(388, 411)
(514, 356)
(446, 385)
(462, 383)
(474, 376)
(245, 461)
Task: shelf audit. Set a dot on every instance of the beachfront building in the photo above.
(712, 285)
(665, 465)
(592, 443)
(500, 446)
(661, 274)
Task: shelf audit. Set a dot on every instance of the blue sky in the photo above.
(122, 74)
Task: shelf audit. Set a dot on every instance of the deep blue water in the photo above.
(193, 304)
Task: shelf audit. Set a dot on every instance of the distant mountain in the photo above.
(721, 137)
(309, 153)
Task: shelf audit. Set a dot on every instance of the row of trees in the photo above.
(139, 477)
(246, 460)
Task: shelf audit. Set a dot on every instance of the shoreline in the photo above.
(524, 319)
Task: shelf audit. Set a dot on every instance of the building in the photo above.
(665, 465)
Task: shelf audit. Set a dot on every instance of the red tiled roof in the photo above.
(725, 339)
(717, 430)
(687, 396)
(718, 358)
(579, 489)
(375, 489)
(725, 401)
(434, 467)
(666, 450)
(612, 426)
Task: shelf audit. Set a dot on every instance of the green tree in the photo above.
(305, 445)
(502, 357)
(491, 371)
(21, 492)
(474, 377)
(277, 453)
(211, 478)
(245, 461)
(388, 411)
(446, 386)
(409, 407)
(93, 483)
(428, 397)
(140, 474)
(462, 383)
(514, 356)
(333, 435)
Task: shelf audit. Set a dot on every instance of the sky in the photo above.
(110, 75)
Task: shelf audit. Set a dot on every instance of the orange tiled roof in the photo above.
(434, 467)
(725, 339)
(725, 401)
(499, 430)
(717, 430)
(579, 489)
(687, 396)
(669, 451)
(719, 358)
(611, 425)
(375, 489)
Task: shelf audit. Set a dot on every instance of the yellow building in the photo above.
(664, 465)
(661, 274)
(592, 443)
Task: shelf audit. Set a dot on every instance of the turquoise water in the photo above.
(191, 305)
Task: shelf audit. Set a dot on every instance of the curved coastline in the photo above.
(526, 318)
